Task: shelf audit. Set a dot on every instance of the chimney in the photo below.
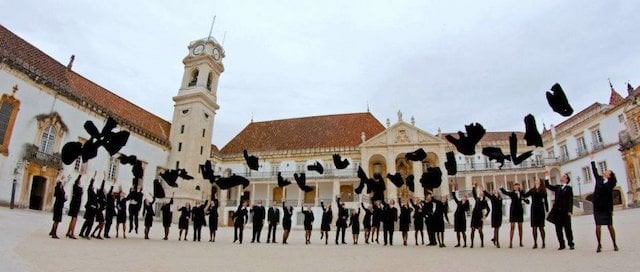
(73, 57)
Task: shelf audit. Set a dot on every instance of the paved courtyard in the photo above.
(25, 246)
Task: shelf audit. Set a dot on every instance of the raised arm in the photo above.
(594, 169)
(455, 198)
(475, 194)
(362, 204)
(553, 188)
(324, 209)
(505, 192)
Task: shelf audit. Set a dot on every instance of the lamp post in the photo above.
(580, 190)
(14, 183)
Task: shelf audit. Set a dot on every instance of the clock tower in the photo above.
(194, 112)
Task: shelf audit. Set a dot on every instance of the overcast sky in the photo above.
(448, 63)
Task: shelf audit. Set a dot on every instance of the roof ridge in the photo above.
(312, 116)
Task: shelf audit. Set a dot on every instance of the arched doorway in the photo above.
(377, 165)
(36, 198)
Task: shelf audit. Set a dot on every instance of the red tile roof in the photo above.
(340, 130)
(615, 97)
(43, 69)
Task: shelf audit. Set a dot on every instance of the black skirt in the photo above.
(122, 218)
(438, 225)
(325, 227)
(213, 223)
(355, 228)
(537, 217)
(166, 220)
(603, 218)
(307, 226)
(148, 221)
(99, 217)
(404, 225)
(57, 213)
(183, 223)
(476, 221)
(286, 224)
(74, 209)
(376, 223)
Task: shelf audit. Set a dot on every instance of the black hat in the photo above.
(531, 135)
(410, 183)
(363, 180)
(70, 152)
(170, 176)
(432, 178)
(339, 162)
(558, 101)
(466, 143)
(316, 167)
(495, 153)
(513, 146)
(396, 179)
(451, 164)
(282, 182)
(252, 161)
(417, 155)
(232, 181)
(301, 180)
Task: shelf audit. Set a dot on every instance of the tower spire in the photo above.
(211, 28)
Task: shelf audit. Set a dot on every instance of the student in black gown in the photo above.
(478, 216)
(199, 220)
(354, 223)
(308, 223)
(102, 205)
(428, 209)
(167, 217)
(366, 222)
(562, 210)
(325, 222)
(122, 214)
(259, 215)
(405, 220)
(212, 211)
(341, 221)
(183, 221)
(240, 218)
(603, 204)
(148, 215)
(135, 205)
(496, 215)
(110, 212)
(460, 218)
(539, 207)
(516, 211)
(58, 206)
(90, 211)
(376, 219)
(437, 216)
(273, 219)
(418, 219)
(74, 207)
(286, 221)
(389, 219)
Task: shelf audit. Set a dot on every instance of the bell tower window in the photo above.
(194, 77)
(209, 79)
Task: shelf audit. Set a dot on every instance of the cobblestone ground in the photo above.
(25, 246)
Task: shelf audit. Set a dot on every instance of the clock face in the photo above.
(198, 50)
(216, 54)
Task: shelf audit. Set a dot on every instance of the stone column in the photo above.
(336, 191)
(268, 199)
(417, 174)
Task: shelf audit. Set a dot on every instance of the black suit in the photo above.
(273, 216)
(341, 222)
(562, 207)
(258, 222)
(390, 216)
(428, 209)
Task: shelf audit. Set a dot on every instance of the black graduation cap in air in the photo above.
(252, 161)
(137, 169)
(316, 167)
(377, 187)
(513, 146)
(363, 180)
(111, 141)
(158, 191)
(207, 172)
(214, 190)
(170, 176)
(558, 101)
(531, 135)
(432, 178)
(70, 152)
(410, 182)
(495, 153)
(451, 164)
(301, 180)
(466, 143)
(339, 162)
(232, 181)
(282, 182)
(396, 179)
(417, 155)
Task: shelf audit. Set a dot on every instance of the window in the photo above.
(209, 79)
(201, 150)
(551, 154)
(179, 147)
(597, 138)
(177, 164)
(77, 163)
(539, 160)
(194, 77)
(586, 174)
(582, 145)
(113, 168)
(47, 140)
(564, 152)
(602, 166)
(471, 162)
(275, 170)
(203, 131)
(182, 129)
(8, 112)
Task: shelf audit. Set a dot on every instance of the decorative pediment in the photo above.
(402, 133)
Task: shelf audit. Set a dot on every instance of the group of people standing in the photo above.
(431, 213)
